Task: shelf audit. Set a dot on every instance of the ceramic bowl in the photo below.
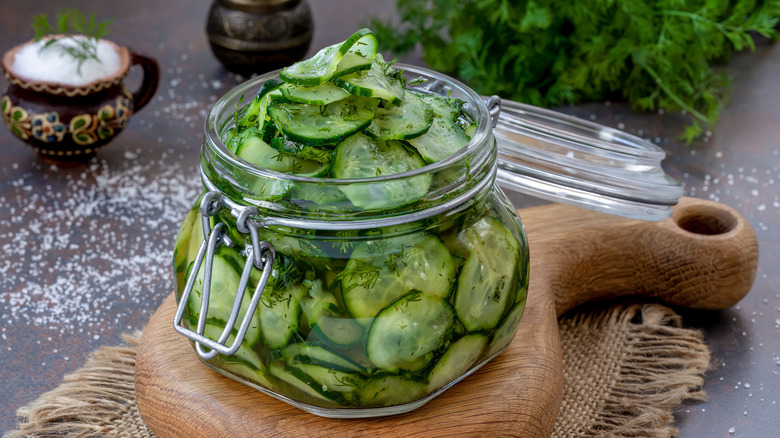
(67, 123)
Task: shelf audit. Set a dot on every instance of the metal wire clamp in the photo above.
(260, 255)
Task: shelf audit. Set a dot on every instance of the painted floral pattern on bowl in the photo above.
(70, 123)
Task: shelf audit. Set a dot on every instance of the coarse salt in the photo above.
(124, 219)
(53, 64)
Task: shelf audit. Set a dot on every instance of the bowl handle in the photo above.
(150, 80)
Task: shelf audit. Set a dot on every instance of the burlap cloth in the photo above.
(625, 369)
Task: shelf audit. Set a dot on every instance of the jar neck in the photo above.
(449, 184)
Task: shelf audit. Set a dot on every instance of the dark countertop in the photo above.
(85, 251)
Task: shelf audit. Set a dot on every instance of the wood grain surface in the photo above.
(705, 257)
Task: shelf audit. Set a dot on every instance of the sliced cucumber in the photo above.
(374, 83)
(459, 358)
(410, 119)
(256, 111)
(306, 152)
(470, 130)
(322, 94)
(244, 353)
(448, 107)
(302, 382)
(225, 279)
(315, 301)
(311, 168)
(411, 327)
(329, 379)
(505, 333)
(360, 157)
(366, 45)
(318, 125)
(487, 279)
(259, 153)
(339, 331)
(323, 197)
(351, 63)
(265, 189)
(319, 68)
(188, 241)
(379, 272)
(258, 377)
(442, 139)
(279, 318)
(234, 138)
(308, 353)
(391, 390)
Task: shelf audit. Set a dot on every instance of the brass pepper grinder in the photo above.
(257, 36)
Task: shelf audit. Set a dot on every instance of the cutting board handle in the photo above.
(705, 256)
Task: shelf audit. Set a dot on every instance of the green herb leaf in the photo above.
(71, 23)
(656, 54)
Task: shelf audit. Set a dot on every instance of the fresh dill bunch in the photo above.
(655, 54)
(72, 25)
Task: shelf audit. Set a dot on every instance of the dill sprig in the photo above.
(359, 273)
(656, 54)
(72, 25)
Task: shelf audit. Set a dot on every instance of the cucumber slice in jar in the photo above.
(244, 354)
(306, 152)
(319, 197)
(319, 68)
(322, 94)
(328, 379)
(375, 82)
(459, 358)
(488, 276)
(507, 330)
(448, 107)
(413, 326)
(410, 119)
(319, 125)
(352, 63)
(366, 45)
(279, 318)
(379, 272)
(470, 130)
(258, 152)
(391, 390)
(442, 139)
(303, 382)
(188, 242)
(361, 157)
(315, 301)
(304, 352)
(256, 111)
(338, 331)
(256, 376)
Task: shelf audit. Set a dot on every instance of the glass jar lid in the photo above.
(564, 159)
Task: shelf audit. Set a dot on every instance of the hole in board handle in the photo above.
(706, 220)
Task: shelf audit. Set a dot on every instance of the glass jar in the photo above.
(385, 291)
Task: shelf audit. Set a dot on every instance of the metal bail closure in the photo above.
(565, 159)
(260, 254)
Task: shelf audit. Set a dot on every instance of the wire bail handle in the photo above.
(260, 254)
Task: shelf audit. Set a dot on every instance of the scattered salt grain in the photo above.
(54, 65)
(99, 212)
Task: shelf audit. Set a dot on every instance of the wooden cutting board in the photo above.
(704, 257)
